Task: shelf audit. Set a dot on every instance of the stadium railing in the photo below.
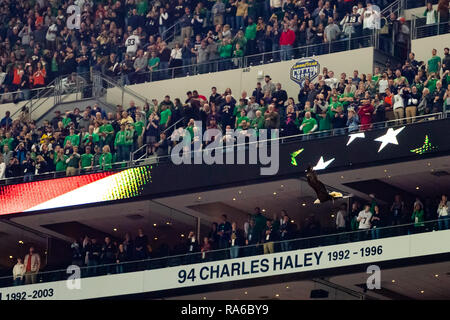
(219, 65)
(244, 251)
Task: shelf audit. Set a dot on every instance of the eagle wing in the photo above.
(318, 187)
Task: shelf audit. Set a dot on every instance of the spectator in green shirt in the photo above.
(241, 117)
(431, 82)
(153, 64)
(166, 115)
(60, 161)
(225, 53)
(73, 138)
(139, 127)
(418, 217)
(258, 122)
(237, 55)
(106, 158)
(241, 39)
(309, 124)
(142, 6)
(7, 141)
(66, 120)
(73, 163)
(122, 143)
(434, 64)
(106, 133)
(91, 136)
(87, 158)
(250, 35)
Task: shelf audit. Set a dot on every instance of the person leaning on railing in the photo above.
(105, 161)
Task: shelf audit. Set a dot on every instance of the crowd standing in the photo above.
(95, 139)
(129, 39)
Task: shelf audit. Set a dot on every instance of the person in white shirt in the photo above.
(51, 35)
(331, 81)
(176, 60)
(383, 83)
(18, 272)
(371, 19)
(132, 43)
(32, 264)
(443, 213)
(364, 218)
(340, 218)
(398, 106)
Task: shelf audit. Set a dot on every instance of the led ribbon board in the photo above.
(72, 191)
(427, 147)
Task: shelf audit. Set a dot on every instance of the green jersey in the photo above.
(139, 127)
(258, 123)
(250, 32)
(123, 137)
(8, 142)
(95, 138)
(165, 116)
(225, 51)
(74, 140)
(60, 163)
(86, 160)
(66, 121)
(308, 124)
(153, 62)
(105, 161)
(108, 130)
(433, 64)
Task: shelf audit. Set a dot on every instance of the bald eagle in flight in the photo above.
(321, 191)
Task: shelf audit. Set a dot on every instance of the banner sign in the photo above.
(305, 69)
(276, 264)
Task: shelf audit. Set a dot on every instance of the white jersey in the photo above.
(132, 43)
(371, 19)
(365, 217)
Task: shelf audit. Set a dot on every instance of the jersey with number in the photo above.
(132, 43)
(365, 217)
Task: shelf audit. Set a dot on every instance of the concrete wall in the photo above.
(422, 47)
(39, 111)
(418, 12)
(246, 79)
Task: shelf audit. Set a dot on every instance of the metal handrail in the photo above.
(311, 240)
(173, 27)
(115, 83)
(247, 61)
(435, 26)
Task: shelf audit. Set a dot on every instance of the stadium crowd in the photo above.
(39, 40)
(260, 234)
(94, 138)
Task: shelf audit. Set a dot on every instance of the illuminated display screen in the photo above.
(355, 150)
(71, 191)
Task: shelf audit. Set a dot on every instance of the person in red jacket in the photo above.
(287, 40)
(39, 76)
(365, 113)
(17, 76)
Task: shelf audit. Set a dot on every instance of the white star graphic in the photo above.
(322, 164)
(354, 136)
(389, 137)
